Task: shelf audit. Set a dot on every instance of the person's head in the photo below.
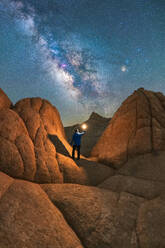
(76, 130)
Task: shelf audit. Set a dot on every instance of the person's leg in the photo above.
(78, 151)
(73, 151)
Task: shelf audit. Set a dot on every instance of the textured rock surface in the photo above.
(41, 120)
(95, 172)
(140, 187)
(136, 128)
(88, 217)
(26, 150)
(29, 219)
(16, 148)
(83, 171)
(150, 223)
(148, 166)
(71, 172)
(38, 114)
(96, 125)
(31, 133)
(23, 157)
(100, 218)
(4, 100)
(126, 209)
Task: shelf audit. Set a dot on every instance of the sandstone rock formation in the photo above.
(96, 125)
(148, 189)
(83, 171)
(41, 118)
(137, 128)
(29, 219)
(32, 139)
(100, 218)
(16, 148)
(4, 100)
(24, 157)
(83, 204)
(89, 216)
(150, 223)
(40, 115)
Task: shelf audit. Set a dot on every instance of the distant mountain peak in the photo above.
(95, 116)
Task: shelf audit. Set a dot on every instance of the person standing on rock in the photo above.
(76, 141)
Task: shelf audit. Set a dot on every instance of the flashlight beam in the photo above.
(84, 126)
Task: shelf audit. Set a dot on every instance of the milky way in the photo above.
(83, 56)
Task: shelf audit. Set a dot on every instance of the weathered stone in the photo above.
(136, 128)
(136, 186)
(32, 158)
(100, 217)
(70, 171)
(148, 166)
(150, 224)
(29, 219)
(95, 172)
(82, 171)
(29, 144)
(4, 100)
(41, 120)
(5, 182)
(36, 110)
(17, 151)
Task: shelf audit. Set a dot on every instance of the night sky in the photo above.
(81, 55)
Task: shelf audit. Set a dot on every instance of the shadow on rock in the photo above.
(58, 145)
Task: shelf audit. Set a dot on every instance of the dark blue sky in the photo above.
(83, 56)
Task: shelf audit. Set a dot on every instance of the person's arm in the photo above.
(82, 133)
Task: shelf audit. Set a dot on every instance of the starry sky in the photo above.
(81, 55)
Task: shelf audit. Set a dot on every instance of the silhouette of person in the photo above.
(76, 141)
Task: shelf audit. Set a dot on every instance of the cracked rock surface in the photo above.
(29, 219)
(137, 128)
(48, 200)
(32, 141)
(100, 218)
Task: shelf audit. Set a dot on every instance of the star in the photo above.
(123, 68)
(63, 65)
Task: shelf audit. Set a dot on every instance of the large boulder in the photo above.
(26, 150)
(147, 189)
(125, 210)
(77, 216)
(31, 136)
(137, 128)
(96, 125)
(149, 166)
(40, 116)
(42, 120)
(17, 157)
(29, 219)
(4, 100)
(150, 223)
(100, 218)
(24, 157)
